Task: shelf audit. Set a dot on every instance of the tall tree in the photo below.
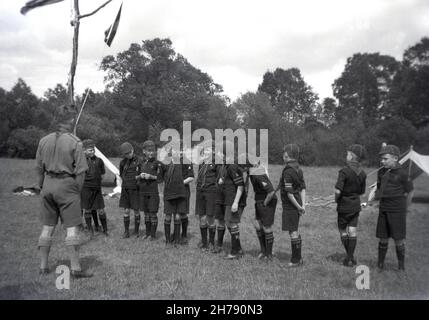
(157, 84)
(329, 107)
(290, 95)
(363, 87)
(409, 97)
(19, 107)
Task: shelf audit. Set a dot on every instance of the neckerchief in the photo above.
(170, 172)
(202, 173)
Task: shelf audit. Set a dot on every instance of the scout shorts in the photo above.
(391, 225)
(91, 199)
(290, 220)
(205, 204)
(60, 199)
(129, 199)
(175, 206)
(149, 203)
(347, 220)
(265, 214)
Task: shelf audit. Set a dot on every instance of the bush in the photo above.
(23, 143)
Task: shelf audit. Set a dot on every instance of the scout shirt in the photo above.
(61, 153)
(206, 179)
(173, 176)
(128, 170)
(392, 185)
(352, 183)
(261, 186)
(291, 181)
(94, 173)
(152, 167)
(232, 175)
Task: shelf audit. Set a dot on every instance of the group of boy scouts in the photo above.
(70, 180)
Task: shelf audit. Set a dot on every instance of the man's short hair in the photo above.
(65, 115)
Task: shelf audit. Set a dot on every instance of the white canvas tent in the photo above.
(420, 160)
(111, 167)
(415, 159)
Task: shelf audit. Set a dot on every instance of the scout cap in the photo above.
(126, 147)
(88, 143)
(148, 144)
(390, 149)
(358, 150)
(292, 150)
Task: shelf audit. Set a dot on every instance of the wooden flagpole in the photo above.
(76, 23)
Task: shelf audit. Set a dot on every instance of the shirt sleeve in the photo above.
(236, 175)
(162, 169)
(407, 182)
(121, 168)
(288, 182)
(363, 184)
(102, 168)
(379, 175)
(39, 161)
(266, 184)
(188, 171)
(303, 185)
(139, 166)
(340, 180)
(80, 160)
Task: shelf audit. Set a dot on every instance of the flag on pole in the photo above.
(37, 3)
(110, 33)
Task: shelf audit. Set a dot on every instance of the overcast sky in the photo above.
(234, 41)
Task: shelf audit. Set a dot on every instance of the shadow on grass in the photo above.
(420, 199)
(19, 291)
(282, 256)
(87, 262)
(336, 257)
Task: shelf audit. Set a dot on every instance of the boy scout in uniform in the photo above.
(292, 190)
(61, 167)
(177, 177)
(232, 189)
(205, 199)
(394, 189)
(351, 184)
(91, 196)
(148, 188)
(129, 170)
(219, 208)
(184, 219)
(265, 208)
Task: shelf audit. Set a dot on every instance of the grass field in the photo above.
(139, 269)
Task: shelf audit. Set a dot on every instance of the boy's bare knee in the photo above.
(352, 231)
(267, 229)
(384, 240)
(294, 234)
(399, 242)
(203, 221)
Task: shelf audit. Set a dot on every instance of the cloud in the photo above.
(235, 42)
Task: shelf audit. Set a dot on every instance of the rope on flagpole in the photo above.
(80, 112)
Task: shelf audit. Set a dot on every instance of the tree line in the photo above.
(150, 87)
